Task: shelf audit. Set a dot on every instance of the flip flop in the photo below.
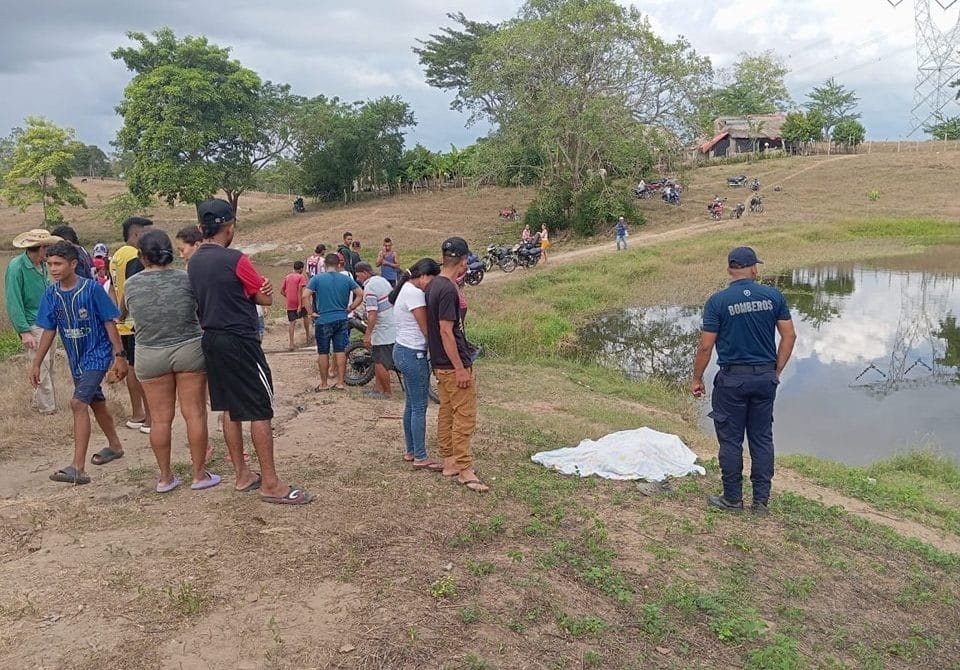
(69, 475)
(431, 466)
(408, 458)
(135, 425)
(208, 483)
(321, 389)
(476, 488)
(293, 497)
(105, 455)
(166, 488)
(252, 486)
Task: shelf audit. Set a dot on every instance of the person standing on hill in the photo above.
(315, 260)
(327, 299)
(620, 232)
(292, 290)
(346, 252)
(124, 264)
(25, 281)
(389, 262)
(741, 321)
(544, 241)
(228, 289)
(452, 359)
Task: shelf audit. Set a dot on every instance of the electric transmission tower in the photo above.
(938, 62)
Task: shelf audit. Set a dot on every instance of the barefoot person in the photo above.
(410, 358)
(292, 290)
(170, 362)
(25, 281)
(85, 316)
(327, 298)
(741, 321)
(124, 264)
(452, 359)
(228, 289)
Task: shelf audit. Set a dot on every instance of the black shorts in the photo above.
(238, 376)
(129, 347)
(293, 315)
(383, 354)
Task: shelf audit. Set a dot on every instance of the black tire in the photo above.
(474, 277)
(359, 364)
(487, 263)
(508, 264)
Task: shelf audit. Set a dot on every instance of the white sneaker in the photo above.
(145, 429)
(135, 425)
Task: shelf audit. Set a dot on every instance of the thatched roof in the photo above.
(752, 126)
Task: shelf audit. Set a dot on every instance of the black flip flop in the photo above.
(69, 475)
(252, 486)
(105, 455)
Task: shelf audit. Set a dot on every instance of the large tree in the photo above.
(41, 165)
(90, 161)
(190, 118)
(754, 85)
(835, 102)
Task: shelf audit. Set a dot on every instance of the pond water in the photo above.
(875, 369)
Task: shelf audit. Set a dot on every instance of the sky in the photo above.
(55, 55)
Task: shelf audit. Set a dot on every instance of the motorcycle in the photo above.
(527, 254)
(737, 182)
(475, 270)
(756, 204)
(716, 210)
(500, 256)
(359, 370)
(511, 214)
(755, 185)
(298, 206)
(671, 195)
(737, 211)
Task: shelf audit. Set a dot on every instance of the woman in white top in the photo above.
(410, 358)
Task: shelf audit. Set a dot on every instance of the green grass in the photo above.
(9, 344)
(921, 484)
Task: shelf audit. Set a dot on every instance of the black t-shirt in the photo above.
(443, 304)
(224, 281)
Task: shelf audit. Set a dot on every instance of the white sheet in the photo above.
(642, 453)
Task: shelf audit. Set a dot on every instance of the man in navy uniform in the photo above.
(740, 321)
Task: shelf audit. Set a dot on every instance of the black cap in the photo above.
(742, 257)
(215, 211)
(454, 247)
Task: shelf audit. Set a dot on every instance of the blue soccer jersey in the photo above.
(79, 314)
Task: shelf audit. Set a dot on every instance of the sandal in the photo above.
(428, 464)
(252, 486)
(208, 483)
(293, 497)
(104, 456)
(166, 488)
(408, 458)
(474, 485)
(70, 475)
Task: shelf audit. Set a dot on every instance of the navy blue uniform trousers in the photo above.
(743, 403)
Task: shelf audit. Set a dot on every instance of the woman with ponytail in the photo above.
(410, 358)
(169, 361)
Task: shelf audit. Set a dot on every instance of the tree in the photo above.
(849, 133)
(799, 129)
(41, 167)
(448, 57)
(945, 128)
(834, 102)
(190, 118)
(754, 85)
(579, 85)
(90, 161)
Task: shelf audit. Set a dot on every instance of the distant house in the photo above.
(744, 134)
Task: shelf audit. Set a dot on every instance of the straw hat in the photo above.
(35, 238)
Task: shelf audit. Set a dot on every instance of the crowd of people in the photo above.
(193, 338)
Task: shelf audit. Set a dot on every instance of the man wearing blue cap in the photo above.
(741, 322)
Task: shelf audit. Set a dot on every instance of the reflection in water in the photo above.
(655, 342)
(875, 369)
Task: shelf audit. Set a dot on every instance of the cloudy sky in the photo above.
(55, 54)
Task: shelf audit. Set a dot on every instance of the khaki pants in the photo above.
(457, 418)
(44, 398)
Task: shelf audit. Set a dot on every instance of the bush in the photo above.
(592, 209)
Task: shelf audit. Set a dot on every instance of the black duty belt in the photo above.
(748, 369)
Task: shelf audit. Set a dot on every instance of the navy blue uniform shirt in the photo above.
(744, 316)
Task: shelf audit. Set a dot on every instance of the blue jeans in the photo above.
(621, 239)
(336, 333)
(415, 368)
(743, 403)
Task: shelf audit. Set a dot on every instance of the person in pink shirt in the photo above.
(291, 289)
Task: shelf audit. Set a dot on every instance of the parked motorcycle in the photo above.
(755, 185)
(671, 195)
(475, 271)
(359, 370)
(500, 256)
(756, 204)
(527, 254)
(716, 210)
(298, 206)
(510, 214)
(737, 211)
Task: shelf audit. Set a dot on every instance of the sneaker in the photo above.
(759, 508)
(722, 503)
(134, 425)
(145, 430)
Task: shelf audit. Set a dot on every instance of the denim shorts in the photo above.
(337, 333)
(86, 387)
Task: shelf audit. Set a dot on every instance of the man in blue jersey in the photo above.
(86, 317)
(741, 321)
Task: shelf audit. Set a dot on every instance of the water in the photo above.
(875, 369)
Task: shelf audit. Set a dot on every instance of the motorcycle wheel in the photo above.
(487, 263)
(533, 260)
(474, 278)
(359, 365)
(508, 264)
